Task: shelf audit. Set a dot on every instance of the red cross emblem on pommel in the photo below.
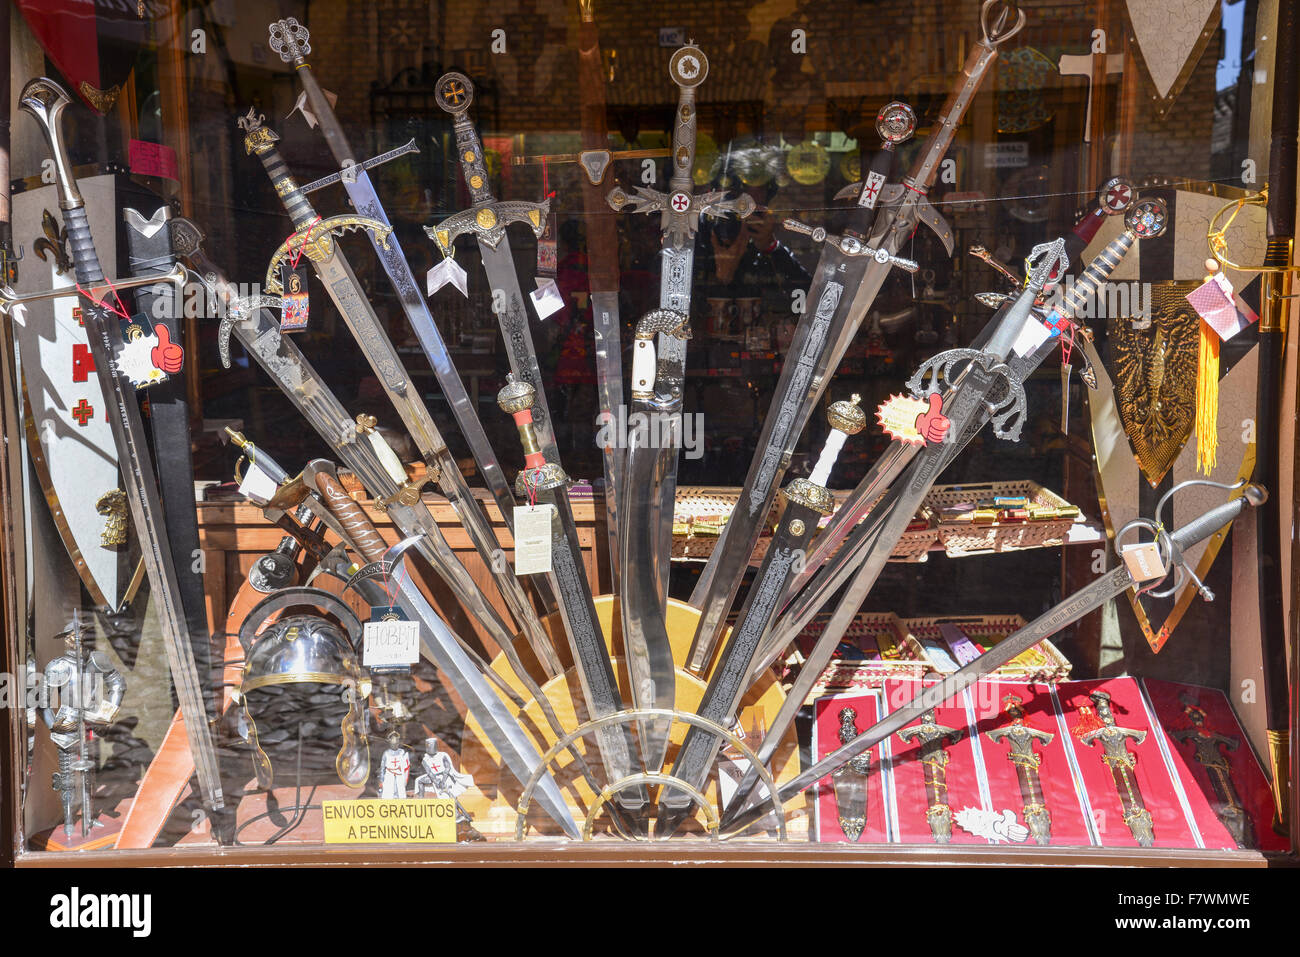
(1119, 196)
(680, 202)
(83, 412)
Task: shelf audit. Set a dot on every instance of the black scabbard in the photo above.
(149, 249)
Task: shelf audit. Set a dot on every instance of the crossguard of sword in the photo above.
(681, 210)
(849, 245)
(236, 311)
(316, 242)
(488, 223)
(1006, 407)
(96, 291)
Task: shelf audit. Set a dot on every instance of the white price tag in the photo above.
(1143, 561)
(546, 298)
(1032, 335)
(533, 538)
(447, 271)
(258, 487)
(390, 643)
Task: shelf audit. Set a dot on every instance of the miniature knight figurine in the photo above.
(84, 693)
(396, 767)
(440, 778)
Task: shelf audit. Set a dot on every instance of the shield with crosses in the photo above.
(1142, 419)
(69, 442)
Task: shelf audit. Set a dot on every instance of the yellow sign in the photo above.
(425, 821)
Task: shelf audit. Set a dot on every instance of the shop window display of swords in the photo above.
(339, 705)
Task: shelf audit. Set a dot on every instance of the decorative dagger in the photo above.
(1122, 762)
(45, 100)
(807, 501)
(544, 482)
(1207, 748)
(1021, 737)
(1171, 546)
(930, 736)
(851, 781)
(844, 291)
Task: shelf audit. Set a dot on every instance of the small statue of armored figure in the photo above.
(84, 692)
(395, 768)
(441, 780)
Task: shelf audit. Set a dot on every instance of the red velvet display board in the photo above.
(1169, 818)
(1175, 706)
(826, 740)
(910, 799)
(1064, 803)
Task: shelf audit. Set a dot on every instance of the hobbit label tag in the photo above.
(533, 539)
(390, 643)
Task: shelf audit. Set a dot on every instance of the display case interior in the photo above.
(599, 431)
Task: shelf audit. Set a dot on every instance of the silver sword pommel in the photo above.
(488, 223)
(45, 100)
(289, 39)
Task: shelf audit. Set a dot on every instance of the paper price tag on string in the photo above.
(533, 538)
(258, 487)
(546, 298)
(1143, 561)
(293, 315)
(447, 272)
(300, 106)
(1216, 302)
(1032, 335)
(390, 643)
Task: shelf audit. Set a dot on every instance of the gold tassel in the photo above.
(1207, 400)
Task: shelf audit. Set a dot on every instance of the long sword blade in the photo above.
(45, 100)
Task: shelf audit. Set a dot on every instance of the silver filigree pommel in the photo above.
(847, 416)
(289, 39)
(516, 396)
(667, 321)
(454, 93)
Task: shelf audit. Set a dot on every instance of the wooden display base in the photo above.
(492, 802)
(102, 834)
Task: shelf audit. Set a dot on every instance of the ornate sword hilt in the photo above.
(488, 223)
(408, 489)
(647, 377)
(518, 398)
(849, 245)
(315, 241)
(845, 418)
(289, 39)
(1007, 408)
(95, 291)
(994, 25)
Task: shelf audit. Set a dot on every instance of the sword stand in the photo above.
(761, 703)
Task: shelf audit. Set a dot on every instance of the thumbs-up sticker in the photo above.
(167, 355)
(915, 421)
